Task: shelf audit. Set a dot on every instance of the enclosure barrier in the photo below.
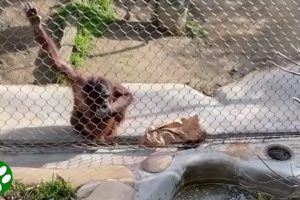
(229, 69)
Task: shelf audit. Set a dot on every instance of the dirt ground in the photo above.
(18, 51)
(241, 37)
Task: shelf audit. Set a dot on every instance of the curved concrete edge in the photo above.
(213, 163)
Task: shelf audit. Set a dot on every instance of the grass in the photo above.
(93, 17)
(82, 46)
(56, 189)
(263, 196)
(195, 30)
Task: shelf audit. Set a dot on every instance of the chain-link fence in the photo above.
(224, 61)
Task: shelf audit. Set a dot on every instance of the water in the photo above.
(219, 192)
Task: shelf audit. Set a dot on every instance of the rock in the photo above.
(87, 189)
(68, 38)
(172, 15)
(157, 162)
(111, 190)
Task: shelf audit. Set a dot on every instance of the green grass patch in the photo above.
(82, 47)
(195, 30)
(56, 189)
(93, 18)
(92, 15)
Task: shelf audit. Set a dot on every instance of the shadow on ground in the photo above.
(57, 146)
(16, 39)
(136, 30)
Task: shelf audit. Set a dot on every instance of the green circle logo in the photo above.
(6, 177)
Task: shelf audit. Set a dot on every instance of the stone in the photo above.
(86, 190)
(111, 190)
(157, 162)
(172, 15)
(67, 41)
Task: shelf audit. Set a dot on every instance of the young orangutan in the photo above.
(99, 104)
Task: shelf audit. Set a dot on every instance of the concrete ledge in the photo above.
(77, 176)
(42, 112)
(261, 102)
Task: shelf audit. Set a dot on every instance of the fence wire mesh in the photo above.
(225, 61)
(232, 63)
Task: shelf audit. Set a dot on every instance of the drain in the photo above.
(280, 153)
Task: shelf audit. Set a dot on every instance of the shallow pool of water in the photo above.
(219, 192)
